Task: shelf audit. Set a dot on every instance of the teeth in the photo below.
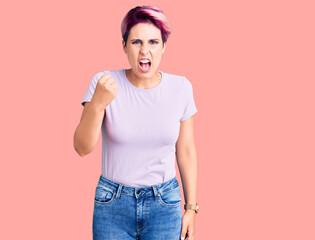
(145, 61)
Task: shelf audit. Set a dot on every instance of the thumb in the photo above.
(183, 233)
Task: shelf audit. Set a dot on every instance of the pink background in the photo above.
(251, 64)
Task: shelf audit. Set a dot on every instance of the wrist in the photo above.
(193, 207)
(190, 211)
(97, 106)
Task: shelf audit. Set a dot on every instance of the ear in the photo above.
(123, 45)
(163, 50)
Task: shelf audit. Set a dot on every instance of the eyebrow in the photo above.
(148, 40)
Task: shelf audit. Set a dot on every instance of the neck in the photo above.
(144, 83)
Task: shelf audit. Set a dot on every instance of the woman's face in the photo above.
(144, 41)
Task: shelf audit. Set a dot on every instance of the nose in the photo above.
(144, 49)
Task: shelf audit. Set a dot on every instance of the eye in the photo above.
(153, 41)
(136, 42)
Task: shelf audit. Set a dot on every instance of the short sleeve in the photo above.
(90, 91)
(190, 106)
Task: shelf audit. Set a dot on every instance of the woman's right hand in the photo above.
(105, 91)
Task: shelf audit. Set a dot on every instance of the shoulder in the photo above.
(178, 80)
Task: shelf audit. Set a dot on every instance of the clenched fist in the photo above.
(105, 91)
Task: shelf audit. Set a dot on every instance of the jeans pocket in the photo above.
(104, 195)
(171, 197)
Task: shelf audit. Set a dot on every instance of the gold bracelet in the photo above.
(194, 207)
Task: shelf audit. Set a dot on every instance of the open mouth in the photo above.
(145, 66)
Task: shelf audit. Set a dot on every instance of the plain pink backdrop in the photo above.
(251, 64)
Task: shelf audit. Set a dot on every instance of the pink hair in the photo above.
(146, 14)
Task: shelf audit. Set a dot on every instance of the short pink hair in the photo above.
(146, 14)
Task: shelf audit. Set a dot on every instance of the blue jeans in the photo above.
(127, 213)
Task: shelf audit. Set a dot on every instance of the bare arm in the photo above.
(186, 156)
(87, 132)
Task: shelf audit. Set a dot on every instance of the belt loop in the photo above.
(156, 193)
(119, 191)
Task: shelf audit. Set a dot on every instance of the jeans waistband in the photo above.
(119, 188)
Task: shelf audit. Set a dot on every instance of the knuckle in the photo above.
(106, 75)
(102, 79)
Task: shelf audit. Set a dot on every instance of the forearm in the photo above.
(188, 167)
(87, 132)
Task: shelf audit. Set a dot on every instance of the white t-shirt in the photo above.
(141, 127)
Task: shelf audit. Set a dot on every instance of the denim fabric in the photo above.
(127, 213)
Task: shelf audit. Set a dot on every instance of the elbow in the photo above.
(80, 147)
(186, 155)
(81, 151)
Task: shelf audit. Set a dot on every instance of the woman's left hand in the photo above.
(188, 225)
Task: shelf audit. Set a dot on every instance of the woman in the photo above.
(145, 116)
